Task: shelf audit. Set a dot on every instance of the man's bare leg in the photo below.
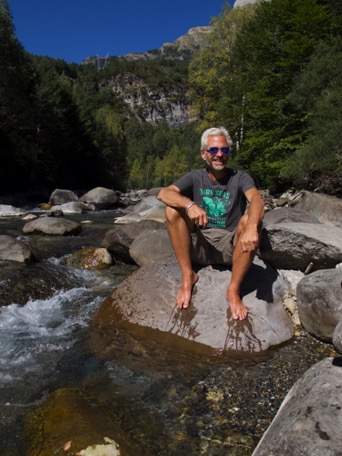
(179, 233)
(241, 262)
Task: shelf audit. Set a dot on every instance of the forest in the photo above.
(270, 72)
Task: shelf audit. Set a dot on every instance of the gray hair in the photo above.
(215, 131)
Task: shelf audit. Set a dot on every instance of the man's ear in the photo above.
(204, 157)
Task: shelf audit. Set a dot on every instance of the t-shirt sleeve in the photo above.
(185, 185)
(246, 182)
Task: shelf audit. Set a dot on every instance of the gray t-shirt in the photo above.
(223, 200)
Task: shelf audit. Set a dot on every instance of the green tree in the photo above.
(210, 72)
(317, 96)
(172, 166)
(17, 117)
(110, 140)
(269, 53)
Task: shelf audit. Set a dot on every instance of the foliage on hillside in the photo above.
(270, 72)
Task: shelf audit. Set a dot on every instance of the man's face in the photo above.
(216, 162)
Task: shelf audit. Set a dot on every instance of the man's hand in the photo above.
(198, 216)
(249, 239)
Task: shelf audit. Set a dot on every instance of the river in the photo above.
(192, 406)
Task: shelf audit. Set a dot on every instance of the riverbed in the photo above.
(210, 406)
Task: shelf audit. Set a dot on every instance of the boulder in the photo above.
(12, 249)
(7, 210)
(319, 302)
(154, 191)
(296, 245)
(144, 304)
(119, 240)
(94, 258)
(60, 196)
(74, 207)
(52, 225)
(309, 421)
(337, 337)
(150, 246)
(101, 198)
(287, 215)
(150, 208)
(327, 209)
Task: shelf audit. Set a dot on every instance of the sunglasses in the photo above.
(214, 150)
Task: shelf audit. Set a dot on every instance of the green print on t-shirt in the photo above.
(215, 203)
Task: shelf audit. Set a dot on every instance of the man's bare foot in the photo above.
(184, 295)
(237, 307)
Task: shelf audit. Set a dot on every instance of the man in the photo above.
(207, 220)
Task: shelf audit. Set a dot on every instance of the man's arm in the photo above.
(250, 237)
(171, 196)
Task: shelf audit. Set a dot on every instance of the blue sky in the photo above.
(76, 29)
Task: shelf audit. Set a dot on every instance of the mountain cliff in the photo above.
(152, 86)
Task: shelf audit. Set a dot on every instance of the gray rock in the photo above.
(287, 215)
(119, 240)
(150, 208)
(101, 198)
(296, 245)
(150, 246)
(319, 302)
(309, 421)
(7, 210)
(144, 304)
(328, 209)
(241, 3)
(337, 337)
(74, 207)
(61, 196)
(12, 249)
(52, 225)
(154, 191)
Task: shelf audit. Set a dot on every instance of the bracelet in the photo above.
(189, 205)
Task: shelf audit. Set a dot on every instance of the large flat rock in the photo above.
(144, 304)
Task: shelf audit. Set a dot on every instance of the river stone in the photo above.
(52, 225)
(74, 207)
(69, 423)
(288, 214)
(150, 246)
(93, 258)
(7, 210)
(14, 250)
(144, 303)
(118, 240)
(309, 421)
(337, 337)
(319, 302)
(61, 196)
(101, 198)
(296, 245)
(328, 209)
(149, 208)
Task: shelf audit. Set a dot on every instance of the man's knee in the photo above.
(172, 214)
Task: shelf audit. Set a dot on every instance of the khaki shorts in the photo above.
(212, 246)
